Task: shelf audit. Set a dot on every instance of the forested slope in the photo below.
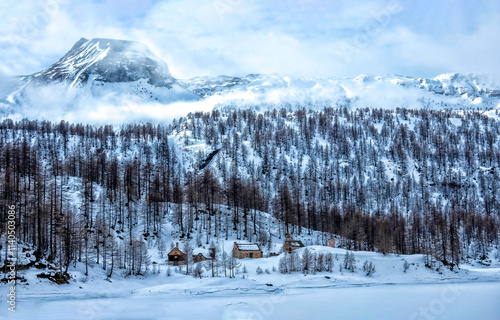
(403, 181)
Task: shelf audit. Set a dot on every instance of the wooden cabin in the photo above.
(176, 257)
(199, 258)
(290, 244)
(246, 250)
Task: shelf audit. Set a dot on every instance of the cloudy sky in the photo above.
(236, 37)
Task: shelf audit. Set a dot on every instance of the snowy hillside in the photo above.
(392, 181)
(104, 78)
(258, 288)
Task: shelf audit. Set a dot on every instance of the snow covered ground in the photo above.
(477, 300)
(473, 292)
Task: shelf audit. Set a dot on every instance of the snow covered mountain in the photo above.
(98, 73)
(392, 91)
(107, 60)
(118, 76)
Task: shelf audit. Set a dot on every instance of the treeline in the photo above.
(403, 181)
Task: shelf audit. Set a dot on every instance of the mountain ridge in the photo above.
(122, 72)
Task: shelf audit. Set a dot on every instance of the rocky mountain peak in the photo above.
(107, 60)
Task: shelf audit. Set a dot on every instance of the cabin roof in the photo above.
(248, 246)
(175, 252)
(295, 243)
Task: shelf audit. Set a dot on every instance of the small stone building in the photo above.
(290, 244)
(246, 250)
(331, 243)
(176, 257)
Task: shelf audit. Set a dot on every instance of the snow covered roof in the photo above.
(203, 251)
(247, 246)
(176, 252)
(296, 243)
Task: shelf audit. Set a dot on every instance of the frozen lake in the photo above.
(472, 300)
